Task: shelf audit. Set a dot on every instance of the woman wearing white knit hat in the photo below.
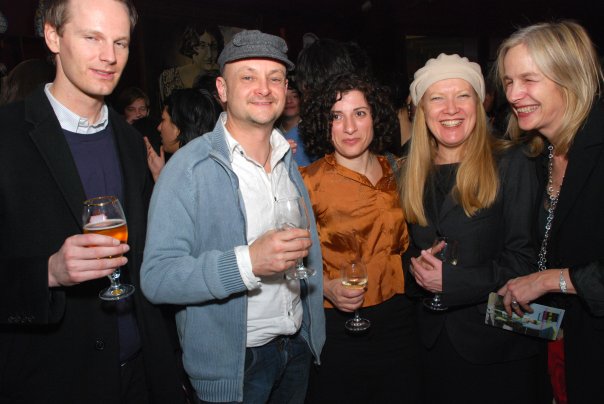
(460, 183)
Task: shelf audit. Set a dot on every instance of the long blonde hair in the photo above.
(476, 183)
(565, 54)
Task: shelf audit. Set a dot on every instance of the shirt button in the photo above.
(99, 344)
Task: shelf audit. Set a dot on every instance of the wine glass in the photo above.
(447, 253)
(104, 215)
(292, 213)
(354, 276)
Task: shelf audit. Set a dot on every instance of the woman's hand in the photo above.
(292, 145)
(343, 298)
(519, 292)
(154, 161)
(428, 271)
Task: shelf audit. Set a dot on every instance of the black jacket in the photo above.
(577, 242)
(495, 245)
(60, 345)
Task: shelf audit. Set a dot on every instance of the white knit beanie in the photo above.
(446, 67)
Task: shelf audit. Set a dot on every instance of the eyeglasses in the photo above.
(204, 45)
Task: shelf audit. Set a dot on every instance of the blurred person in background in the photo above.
(187, 114)
(24, 78)
(133, 103)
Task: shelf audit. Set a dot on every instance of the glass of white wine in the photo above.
(292, 213)
(104, 215)
(354, 276)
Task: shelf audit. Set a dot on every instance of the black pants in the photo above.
(378, 366)
(449, 378)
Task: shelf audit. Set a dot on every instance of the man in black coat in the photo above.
(59, 343)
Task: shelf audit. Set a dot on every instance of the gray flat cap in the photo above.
(253, 44)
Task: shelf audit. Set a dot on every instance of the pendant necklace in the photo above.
(552, 202)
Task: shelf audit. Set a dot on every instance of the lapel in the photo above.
(582, 158)
(47, 135)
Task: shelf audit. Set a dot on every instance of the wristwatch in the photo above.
(563, 288)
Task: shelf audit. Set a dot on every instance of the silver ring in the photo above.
(514, 303)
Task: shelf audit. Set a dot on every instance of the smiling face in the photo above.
(450, 109)
(537, 101)
(91, 52)
(168, 132)
(352, 126)
(206, 52)
(254, 92)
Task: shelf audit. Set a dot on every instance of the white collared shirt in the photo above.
(73, 122)
(274, 306)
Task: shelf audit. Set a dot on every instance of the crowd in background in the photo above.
(443, 202)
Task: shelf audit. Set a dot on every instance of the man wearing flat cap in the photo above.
(248, 333)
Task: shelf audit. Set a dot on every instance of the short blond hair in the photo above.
(565, 54)
(56, 13)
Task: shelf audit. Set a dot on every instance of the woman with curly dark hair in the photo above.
(315, 126)
(354, 197)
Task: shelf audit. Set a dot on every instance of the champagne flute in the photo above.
(354, 276)
(292, 213)
(104, 215)
(447, 253)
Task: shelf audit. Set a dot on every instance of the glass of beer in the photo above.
(104, 215)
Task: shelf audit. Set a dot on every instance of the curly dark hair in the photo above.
(316, 123)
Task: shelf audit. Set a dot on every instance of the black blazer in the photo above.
(60, 345)
(577, 242)
(495, 245)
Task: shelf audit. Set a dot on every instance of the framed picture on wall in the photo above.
(178, 47)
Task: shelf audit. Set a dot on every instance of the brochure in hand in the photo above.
(543, 322)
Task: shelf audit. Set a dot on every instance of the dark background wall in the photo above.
(397, 34)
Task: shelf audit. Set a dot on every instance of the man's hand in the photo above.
(84, 257)
(277, 250)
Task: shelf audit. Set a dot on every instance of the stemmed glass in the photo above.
(447, 253)
(292, 213)
(354, 276)
(104, 215)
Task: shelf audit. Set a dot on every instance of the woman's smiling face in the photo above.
(450, 113)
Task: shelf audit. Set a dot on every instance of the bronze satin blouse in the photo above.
(344, 200)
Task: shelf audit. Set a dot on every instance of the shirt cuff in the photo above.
(244, 263)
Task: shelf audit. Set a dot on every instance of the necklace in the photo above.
(551, 208)
(268, 155)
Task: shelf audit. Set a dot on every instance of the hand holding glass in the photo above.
(104, 215)
(447, 253)
(354, 276)
(293, 214)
